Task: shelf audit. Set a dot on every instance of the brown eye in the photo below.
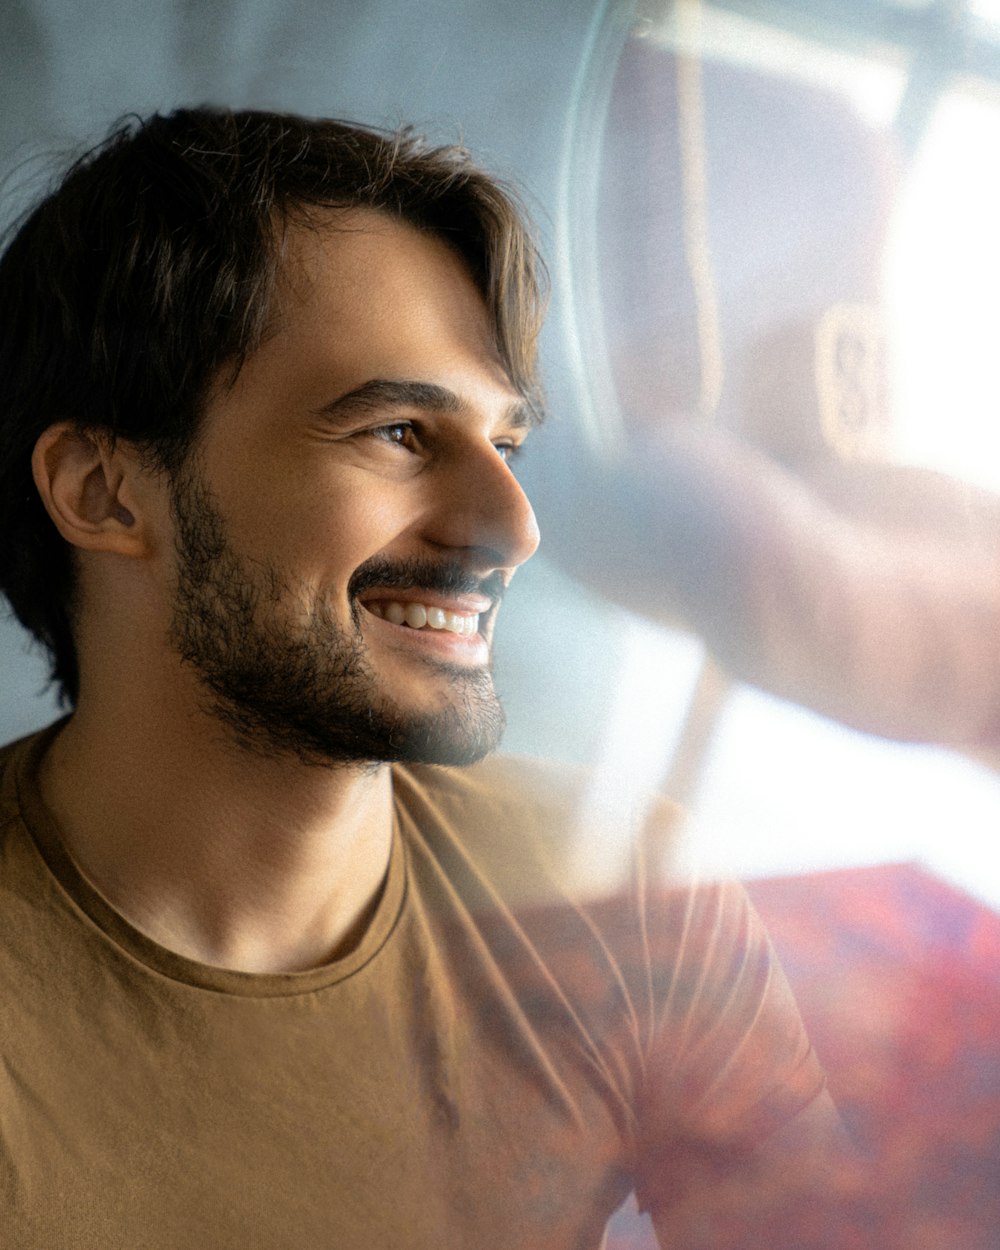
(399, 432)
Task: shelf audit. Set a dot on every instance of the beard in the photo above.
(306, 687)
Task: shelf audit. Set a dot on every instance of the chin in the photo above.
(464, 731)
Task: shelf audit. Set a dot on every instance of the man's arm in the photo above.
(788, 1193)
(738, 1144)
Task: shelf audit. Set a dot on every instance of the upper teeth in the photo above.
(417, 616)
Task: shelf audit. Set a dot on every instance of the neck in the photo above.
(251, 862)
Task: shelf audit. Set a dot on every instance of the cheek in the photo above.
(320, 533)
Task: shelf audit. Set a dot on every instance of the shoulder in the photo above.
(22, 819)
(12, 760)
(536, 826)
(501, 788)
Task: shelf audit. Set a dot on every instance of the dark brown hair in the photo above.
(151, 267)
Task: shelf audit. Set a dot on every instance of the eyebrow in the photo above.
(379, 394)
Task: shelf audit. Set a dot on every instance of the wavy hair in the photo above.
(152, 267)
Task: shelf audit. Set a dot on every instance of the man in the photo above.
(270, 975)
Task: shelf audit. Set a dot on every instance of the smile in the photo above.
(422, 616)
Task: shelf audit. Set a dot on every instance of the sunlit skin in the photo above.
(375, 421)
(319, 461)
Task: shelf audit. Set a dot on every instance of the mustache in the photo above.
(445, 577)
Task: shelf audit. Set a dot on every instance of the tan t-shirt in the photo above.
(497, 1064)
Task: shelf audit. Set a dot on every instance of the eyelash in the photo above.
(507, 451)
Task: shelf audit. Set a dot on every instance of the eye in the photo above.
(399, 433)
(508, 451)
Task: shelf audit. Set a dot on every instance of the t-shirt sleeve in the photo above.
(728, 1064)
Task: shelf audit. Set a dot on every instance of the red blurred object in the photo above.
(898, 978)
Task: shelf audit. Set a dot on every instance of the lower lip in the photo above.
(470, 649)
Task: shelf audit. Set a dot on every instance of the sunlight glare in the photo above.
(942, 279)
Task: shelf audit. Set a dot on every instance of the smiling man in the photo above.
(361, 456)
(270, 974)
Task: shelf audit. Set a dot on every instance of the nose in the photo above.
(481, 509)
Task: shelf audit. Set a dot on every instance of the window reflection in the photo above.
(780, 270)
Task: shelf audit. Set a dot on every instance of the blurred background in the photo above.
(770, 573)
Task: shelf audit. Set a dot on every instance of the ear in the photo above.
(92, 490)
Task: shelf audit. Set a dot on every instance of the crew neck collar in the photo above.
(94, 909)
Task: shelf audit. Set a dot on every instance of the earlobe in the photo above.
(85, 484)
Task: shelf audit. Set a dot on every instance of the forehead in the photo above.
(362, 269)
(359, 296)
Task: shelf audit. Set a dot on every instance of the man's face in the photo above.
(348, 520)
